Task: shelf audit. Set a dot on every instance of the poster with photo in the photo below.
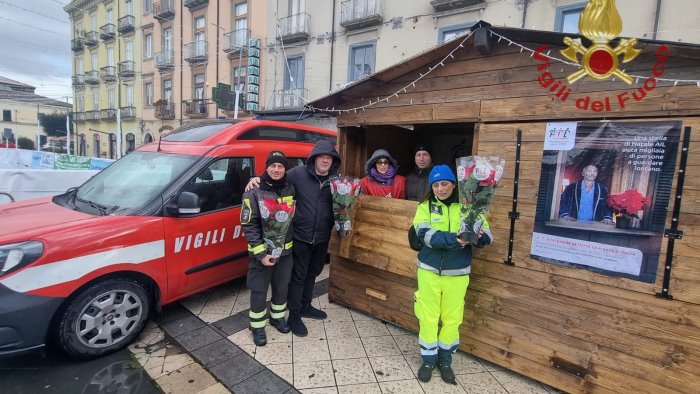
(603, 200)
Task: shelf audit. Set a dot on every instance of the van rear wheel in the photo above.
(103, 318)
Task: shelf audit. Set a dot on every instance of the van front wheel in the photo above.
(103, 318)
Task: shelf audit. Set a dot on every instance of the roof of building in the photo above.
(10, 82)
(366, 87)
(11, 90)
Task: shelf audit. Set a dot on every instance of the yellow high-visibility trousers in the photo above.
(439, 298)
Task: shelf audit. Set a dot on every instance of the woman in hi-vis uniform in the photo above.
(444, 264)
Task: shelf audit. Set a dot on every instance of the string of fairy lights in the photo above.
(441, 63)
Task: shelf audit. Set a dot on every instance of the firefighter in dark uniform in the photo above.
(268, 263)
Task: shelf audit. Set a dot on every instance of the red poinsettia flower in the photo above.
(628, 203)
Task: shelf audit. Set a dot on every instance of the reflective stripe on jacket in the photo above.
(437, 225)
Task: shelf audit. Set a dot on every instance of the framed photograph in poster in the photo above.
(602, 201)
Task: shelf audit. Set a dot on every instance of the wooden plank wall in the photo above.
(525, 317)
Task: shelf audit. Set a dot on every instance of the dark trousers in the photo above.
(260, 277)
(308, 264)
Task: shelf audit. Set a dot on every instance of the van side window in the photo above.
(220, 185)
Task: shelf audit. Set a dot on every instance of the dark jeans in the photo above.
(308, 264)
(260, 277)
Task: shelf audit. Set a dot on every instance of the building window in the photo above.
(198, 93)
(96, 100)
(96, 145)
(361, 61)
(129, 50)
(130, 142)
(238, 78)
(294, 73)
(168, 90)
(240, 16)
(7, 115)
(147, 6)
(567, 18)
(110, 98)
(129, 96)
(81, 103)
(79, 67)
(93, 60)
(448, 33)
(128, 10)
(148, 94)
(148, 46)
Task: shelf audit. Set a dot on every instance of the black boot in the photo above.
(280, 324)
(447, 375)
(312, 313)
(425, 372)
(297, 326)
(259, 337)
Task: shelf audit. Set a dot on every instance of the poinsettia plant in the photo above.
(276, 217)
(344, 191)
(477, 179)
(629, 203)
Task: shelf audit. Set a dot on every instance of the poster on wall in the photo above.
(604, 194)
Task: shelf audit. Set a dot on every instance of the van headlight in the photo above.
(16, 256)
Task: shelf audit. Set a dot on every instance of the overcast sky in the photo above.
(35, 41)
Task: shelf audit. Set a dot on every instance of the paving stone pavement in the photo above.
(202, 345)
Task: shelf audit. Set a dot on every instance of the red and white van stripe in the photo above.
(62, 271)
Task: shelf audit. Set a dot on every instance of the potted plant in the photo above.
(627, 206)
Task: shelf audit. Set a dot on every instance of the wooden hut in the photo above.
(580, 325)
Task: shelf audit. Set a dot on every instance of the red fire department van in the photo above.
(86, 268)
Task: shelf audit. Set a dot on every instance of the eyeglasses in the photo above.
(382, 162)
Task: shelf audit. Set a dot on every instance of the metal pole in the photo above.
(67, 130)
(38, 128)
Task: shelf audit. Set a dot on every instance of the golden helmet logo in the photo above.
(600, 22)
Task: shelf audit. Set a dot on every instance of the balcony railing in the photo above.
(164, 110)
(92, 77)
(196, 108)
(126, 24)
(356, 14)
(447, 5)
(164, 10)
(76, 44)
(290, 98)
(91, 38)
(294, 28)
(196, 52)
(107, 32)
(236, 43)
(78, 79)
(196, 4)
(108, 73)
(126, 69)
(92, 115)
(165, 60)
(108, 114)
(128, 112)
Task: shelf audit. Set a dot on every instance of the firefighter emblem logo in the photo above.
(600, 22)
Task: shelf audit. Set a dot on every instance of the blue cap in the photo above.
(441, 173)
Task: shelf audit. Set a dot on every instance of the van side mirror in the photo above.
(188, 203)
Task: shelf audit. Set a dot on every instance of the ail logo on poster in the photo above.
(560, 136)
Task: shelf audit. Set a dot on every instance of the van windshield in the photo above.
(131, 182)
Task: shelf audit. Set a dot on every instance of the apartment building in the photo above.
(191, 47)
(106, 76)
(319, 46)
(20, 109)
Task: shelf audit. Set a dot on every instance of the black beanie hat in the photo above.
(421, 146)
(277, 157)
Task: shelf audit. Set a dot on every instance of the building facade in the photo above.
(106, 73)
(161, 62)
(20, 111)
(321, 46)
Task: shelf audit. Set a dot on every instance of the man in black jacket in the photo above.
(313, 221)
(417, 181)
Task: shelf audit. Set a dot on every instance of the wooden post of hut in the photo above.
(583, 306)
